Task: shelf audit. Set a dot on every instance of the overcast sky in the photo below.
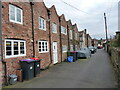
(88, 14)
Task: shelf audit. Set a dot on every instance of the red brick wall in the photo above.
(77, 42)
(64, 38)
(70, 27)
(54, 18)
(24, 32)
(17, 31)
(40, 10)
(1, 73)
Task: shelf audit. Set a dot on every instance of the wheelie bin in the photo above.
(27, 66)
(36, 66)
(74, 54)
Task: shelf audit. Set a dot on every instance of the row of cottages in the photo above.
(89, 40)
(73, 37)
(33, 30)
(95, 42)
(85, 39)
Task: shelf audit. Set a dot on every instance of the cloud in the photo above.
(93, 19)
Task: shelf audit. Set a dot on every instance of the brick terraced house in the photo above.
(70, 36)
(41, 33)
(17, 42)
(83, 36)
(30, 29)
(55, 35)
(63, 37)
(76, 38)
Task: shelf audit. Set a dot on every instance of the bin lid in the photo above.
(13, 76)
(27, 60)
(35, 58)
(70, 59)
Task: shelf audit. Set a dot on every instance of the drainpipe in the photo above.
(87, 39)
(68, 38)
(50, 50)
(60, 38)
(1, 49)
(33, 36)
(74, 40)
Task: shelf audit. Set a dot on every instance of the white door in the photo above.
(55, 53)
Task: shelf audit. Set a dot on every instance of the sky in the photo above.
(89, 14)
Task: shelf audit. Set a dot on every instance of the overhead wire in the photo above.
(73, 7)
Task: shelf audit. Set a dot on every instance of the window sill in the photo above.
(54, 32)
(43, 52)
(42, 29)
(64, 52)
(63, 33)
(16, 22)
(7, 57)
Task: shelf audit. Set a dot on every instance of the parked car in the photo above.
(84, 53)
(95, 49)
(100, 46)
(92, 49)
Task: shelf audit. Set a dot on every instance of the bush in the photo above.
(118, 41)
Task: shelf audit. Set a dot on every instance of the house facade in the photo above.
(70, 35)
(95, 42)
(55, 35)
(76, 38)
(41, 34)
(31, 30)
(16, 35)
(89, 40)
(63, 37)
(82, 41)
(82, 36)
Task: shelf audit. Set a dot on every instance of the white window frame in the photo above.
(44, 46)
(54, 28)
(71, 47)
(41, 24)
(12, 45)
(64, 46)
(71, 34)
(76, 36)
(63, 30)
(15, 21)
(76, 47)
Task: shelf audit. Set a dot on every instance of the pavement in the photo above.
(95, 72)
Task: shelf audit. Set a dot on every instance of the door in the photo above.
(55, 53)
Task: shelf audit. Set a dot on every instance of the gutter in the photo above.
(50, 50)
(73, 40)
(60, 39)
(68, 38)
(1, 48)
(33, 36)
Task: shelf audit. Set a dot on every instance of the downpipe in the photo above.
(1, 49)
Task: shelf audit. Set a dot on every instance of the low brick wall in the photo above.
(115, 59)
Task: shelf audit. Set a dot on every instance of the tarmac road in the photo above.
(95, 72)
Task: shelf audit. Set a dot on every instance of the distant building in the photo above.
(82, 36)
(95, 42)
(89, 40)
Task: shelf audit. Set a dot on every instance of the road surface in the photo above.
(95, 72)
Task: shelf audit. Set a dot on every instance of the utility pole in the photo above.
(0, 41)
(106, 30)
